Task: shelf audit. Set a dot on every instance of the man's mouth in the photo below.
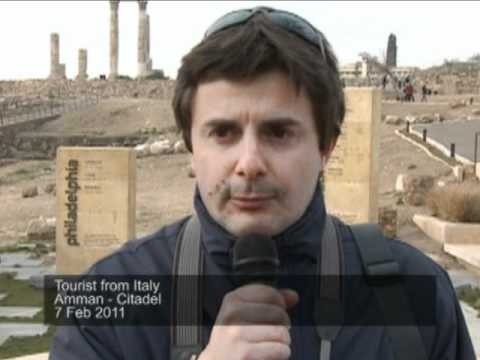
(251, 202)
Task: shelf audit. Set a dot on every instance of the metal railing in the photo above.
(14, 113)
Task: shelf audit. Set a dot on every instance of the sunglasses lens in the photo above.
(287, 21)
(231, 19)
(298, 26)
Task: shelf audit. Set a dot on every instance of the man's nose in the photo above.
(251, 162)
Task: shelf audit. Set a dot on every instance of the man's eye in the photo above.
(279, 133)
(222, 132)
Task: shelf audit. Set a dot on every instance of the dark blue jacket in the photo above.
(298, 249)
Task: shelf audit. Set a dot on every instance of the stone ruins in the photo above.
(392, 51)
(57, 70)
(143, 54)
(143, 45)
(145, 67)
(82, 64)
(113, 39)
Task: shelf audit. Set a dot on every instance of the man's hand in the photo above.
(252, 324)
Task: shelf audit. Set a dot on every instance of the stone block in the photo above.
(19, 311)
(40, 356)
(446, 232)
(400, 183)
(393, 120)
(351, 175)
(49, 189)
(41, 229)
(21, 330)
(30, 191)
(95, 204)
(467, 254)
(459, 172)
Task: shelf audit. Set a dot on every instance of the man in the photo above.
(260, 106)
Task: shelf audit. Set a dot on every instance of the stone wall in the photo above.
(23, 141)
(452, 78)
(45, 89)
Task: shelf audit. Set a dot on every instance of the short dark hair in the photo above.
(256, 47)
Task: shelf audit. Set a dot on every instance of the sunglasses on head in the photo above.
(284, 19)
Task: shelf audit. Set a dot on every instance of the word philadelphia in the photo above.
(72, 203)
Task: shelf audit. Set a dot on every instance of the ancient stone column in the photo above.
(113, 39)
(147, 46)
(392, 51)
(54, 55)
(82, 64)
(142, 39)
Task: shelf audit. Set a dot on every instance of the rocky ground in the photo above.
(164, 191)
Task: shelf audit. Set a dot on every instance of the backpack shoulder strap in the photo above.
(328, 312)
(186, 294)
(380, 264)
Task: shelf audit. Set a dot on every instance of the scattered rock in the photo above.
(438, 117)
(30, 191)
(424, 119)
(412, 119)
(457, 104)
(416, 187)
(41, 229)
(474, 118)
(142, 150)
(393, 120)
(400, 183)
(179, 147)
(50, 188)
(161, 147)
(411, 167)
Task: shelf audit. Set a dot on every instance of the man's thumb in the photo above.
(290, 296)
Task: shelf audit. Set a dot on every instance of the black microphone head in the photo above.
(255, 260)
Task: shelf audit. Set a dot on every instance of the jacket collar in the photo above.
(301, 239)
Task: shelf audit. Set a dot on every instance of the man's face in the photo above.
(255, 152)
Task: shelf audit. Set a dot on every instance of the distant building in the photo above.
(362, 72)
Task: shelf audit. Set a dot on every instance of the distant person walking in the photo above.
(424, 93)
(408, 91)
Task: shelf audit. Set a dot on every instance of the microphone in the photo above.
(255, 260)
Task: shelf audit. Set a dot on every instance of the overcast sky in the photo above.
(427, 32)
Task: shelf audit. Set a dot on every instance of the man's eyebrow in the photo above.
(216, 122)
(276, 121)
(280, 121)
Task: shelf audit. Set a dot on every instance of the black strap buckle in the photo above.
(383, 273)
